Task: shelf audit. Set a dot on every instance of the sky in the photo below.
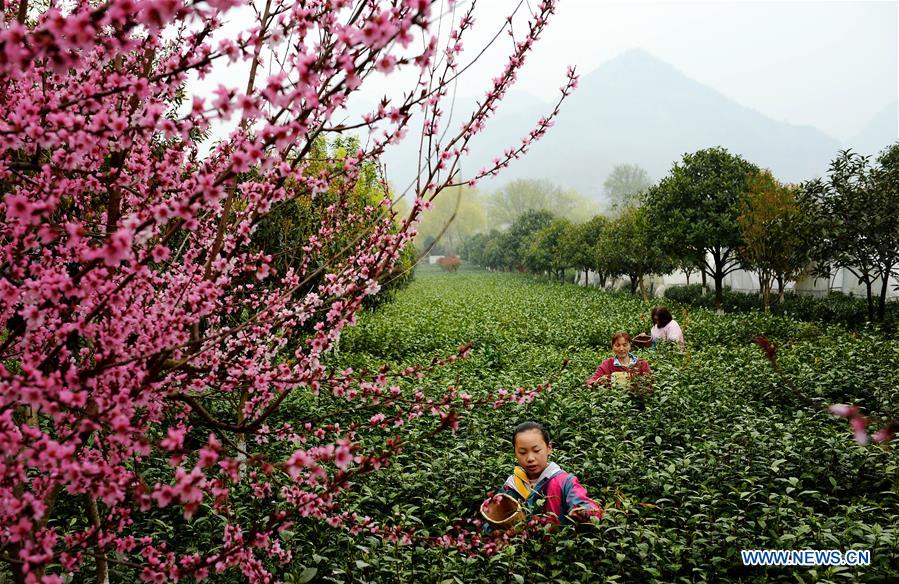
(829, 64)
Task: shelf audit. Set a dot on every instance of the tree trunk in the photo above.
(882, 301)
(23, 11)
(765, 285)
(870, 300)
(642, 288)
(93, 514)
(633, 284)
(719, 291)
(705, 285)
(242, 437)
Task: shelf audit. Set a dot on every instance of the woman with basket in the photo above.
(537, 480)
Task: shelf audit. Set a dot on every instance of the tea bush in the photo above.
(722, 456)
(835, 308)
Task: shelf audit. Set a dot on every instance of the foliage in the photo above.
(835, 308)
(520, 196)
(776, 231)
(283, 233)
(397, 278)
(694, 210)
(545, 252)
(500, 253)
(858, 215)
(720, 457)
(449, 263)
(579, 243)
(510, 249)
(456, 216)
(628, 247)
(624, 185)
(473, 248)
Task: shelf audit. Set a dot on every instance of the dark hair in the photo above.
(619, 334)
(527, 427)
(663, 314)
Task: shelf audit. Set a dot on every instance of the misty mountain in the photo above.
(633, 109)
(880, 132)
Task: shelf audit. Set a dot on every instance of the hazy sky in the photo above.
(828, 64)
(832, 65)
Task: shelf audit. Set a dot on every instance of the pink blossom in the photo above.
(842, 410)
(130, 255)
(883, 436)
(859, 425)
(386, 64)
(342, 457)
(117, 248)
(160, 253)
(18, 208)
(174, 439)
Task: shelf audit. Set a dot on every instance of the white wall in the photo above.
(743, 281)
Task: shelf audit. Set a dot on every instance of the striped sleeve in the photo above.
(576, 497)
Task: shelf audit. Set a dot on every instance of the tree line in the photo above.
(715, 212)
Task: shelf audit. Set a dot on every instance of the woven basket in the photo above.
(642, 340)
(502, 511)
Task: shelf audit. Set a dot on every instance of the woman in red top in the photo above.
(623, 367)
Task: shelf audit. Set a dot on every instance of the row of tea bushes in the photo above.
(722, 456)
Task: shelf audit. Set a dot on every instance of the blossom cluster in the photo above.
(149, 342)
(858, 423)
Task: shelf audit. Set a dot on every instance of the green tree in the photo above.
(520, 196)
(627, 248)
(545, 253)
(579, 243)
(458, 213)
(472, 249)
(858, 210)
(694, 211)
(886, 198)
(517, 240)
(624, 185)
(499, 253)
(776, 234)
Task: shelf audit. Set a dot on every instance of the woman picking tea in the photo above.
(537, 480)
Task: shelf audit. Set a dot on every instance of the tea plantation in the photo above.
(723, 455)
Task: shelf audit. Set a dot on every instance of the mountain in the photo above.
(638, 109)
(880, 132)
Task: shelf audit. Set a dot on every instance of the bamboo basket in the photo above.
(502, 511)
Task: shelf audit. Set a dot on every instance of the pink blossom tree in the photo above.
(147, 348)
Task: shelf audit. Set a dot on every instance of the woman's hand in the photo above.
(584, 514)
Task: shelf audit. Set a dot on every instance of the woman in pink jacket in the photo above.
(622, 368)
(665, 328)
(540, 485)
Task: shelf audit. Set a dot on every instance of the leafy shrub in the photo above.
(719, 457)
(835, 308)
(449, 263)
